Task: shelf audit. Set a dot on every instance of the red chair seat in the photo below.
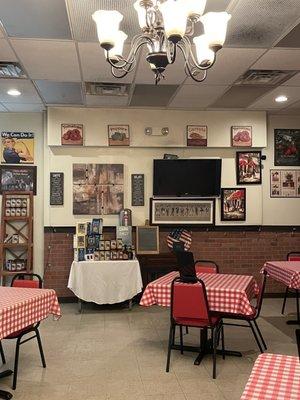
(15, 335)
(199, 323)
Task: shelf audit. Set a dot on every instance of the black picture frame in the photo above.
(232, 215)
(245, 168)
(287, 147)
(18, 178)
(56, 188)
(137, 190)
(179, 207)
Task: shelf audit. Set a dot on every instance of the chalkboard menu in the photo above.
(56, 188)
(147, 240)
(137, 190)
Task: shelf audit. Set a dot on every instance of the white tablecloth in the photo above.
(105, 282)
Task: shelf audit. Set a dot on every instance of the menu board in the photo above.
(137, 190)
(56, 188)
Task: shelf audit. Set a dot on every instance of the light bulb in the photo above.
(281, 99)
(215, 27)
(195, 7)
(14, 92)
(117, 50)
(175, 18)
(107, 27)
(141, 12)
(204, 54)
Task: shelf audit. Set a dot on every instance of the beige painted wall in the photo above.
(32, 122)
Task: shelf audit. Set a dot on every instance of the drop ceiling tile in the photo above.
(48, 59)
(60, 92)
(35, 18)
(174, 73)
(285, 59)
(230, 64)
(196, 96)
(216, 5)
(6, 53)
(259, 23)
(268, 102)
(106, 101)
(292, 39)
(17, 107)
(294, 81)
(28, 92)
(94, 66)
(240, 96)
(2, 108)
(152, 95)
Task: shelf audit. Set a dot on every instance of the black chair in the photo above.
(20, 281)
(251, 318)
(298, 341)
(292, 256)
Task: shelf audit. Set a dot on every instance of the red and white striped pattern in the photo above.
(274, 377)
(287, 272)
(180, 235)
(22, 307)
(225, 292)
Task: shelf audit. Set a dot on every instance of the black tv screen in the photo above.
(187, 178)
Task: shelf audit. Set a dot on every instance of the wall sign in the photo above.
(56, 188)
(17, 178)
(287, 147)
(137, 190)
(285, 183)
(17, 147)
(147, 240)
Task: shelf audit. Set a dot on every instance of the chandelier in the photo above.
(166, 27)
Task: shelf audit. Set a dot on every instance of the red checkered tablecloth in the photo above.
(21, 307)
(287, 272)
(274, 377)
(225, 292)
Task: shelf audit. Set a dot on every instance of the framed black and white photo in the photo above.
(248, 167)
(182, 212)
(233, 204)
(15, 178)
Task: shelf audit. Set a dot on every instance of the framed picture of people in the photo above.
(17, 178)
(248, 167)
(17, 148)
(233, 204)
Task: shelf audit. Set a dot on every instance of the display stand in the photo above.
(16, 235)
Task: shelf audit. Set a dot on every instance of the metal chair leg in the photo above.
(40, 347)
(260, 334)
(223, 342)
(187, 330)
(2, 354)
(284, 300)
(297, 304)
(14, 385)
(171, 336)
(181, 339)
(255, 336)
(215, 339)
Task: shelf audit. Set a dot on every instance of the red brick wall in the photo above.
(235, 252)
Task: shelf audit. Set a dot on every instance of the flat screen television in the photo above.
(187, 178)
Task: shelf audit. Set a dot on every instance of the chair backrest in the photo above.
(19, 280)
(261, 293)
(185, 264)
(298, 341)
(208, 267)
(189, 300)
(293, 256)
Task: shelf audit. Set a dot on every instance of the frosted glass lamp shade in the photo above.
(141, 12)
(204, 54)
(175, 18)
(107, 27)
(215, 27)
(195, 7)
(117, 50)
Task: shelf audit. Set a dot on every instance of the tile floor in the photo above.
(117, 354)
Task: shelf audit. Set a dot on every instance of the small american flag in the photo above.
(180, 235)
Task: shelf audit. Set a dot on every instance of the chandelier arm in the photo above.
(131, 57)
(171, 56)
(118, 76)
(190, 73)
(188, 53)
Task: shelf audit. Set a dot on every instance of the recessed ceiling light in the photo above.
(281, 99)
(13, 92)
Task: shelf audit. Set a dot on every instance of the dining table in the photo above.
(288, 273)
(226, 293)
(274, 377)
(22, 307)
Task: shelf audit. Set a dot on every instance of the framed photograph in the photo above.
(17, 148)
(248, 167)
(118, 135)
(17, 178)
(287, 147)
(241, 136)
(107, 245)
(147, 239)
(284, 183)
(196, 135)
(233, 204)
(72, 134)
(182, 212)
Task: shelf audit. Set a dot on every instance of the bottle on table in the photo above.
(125, 253)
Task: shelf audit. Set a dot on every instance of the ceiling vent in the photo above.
(11, 70)
(106, 89)
(264, 77)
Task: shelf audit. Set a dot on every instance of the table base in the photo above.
(4, 394)
(293, 322)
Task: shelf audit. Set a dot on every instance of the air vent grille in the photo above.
(264, 77)
(106, 89)
(11, 70)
